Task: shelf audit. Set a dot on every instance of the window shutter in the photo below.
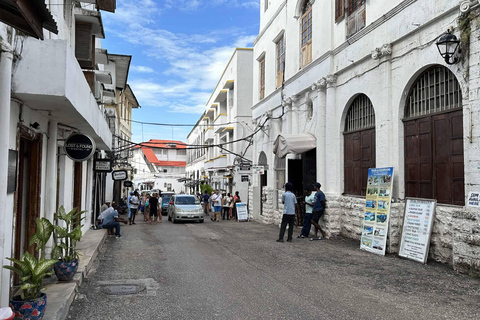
(339, 10)
(84, 45)
(107, 5)
(356, 16)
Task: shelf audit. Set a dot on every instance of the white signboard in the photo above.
(473, 199)
(242, 211)
(258, 170)
(417, 229)
(377, 210)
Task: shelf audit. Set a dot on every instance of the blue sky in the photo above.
(179, 48)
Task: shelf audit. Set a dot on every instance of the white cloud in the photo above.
(141, 69)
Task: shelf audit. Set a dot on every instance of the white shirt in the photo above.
(104, 213)
(134, 202)
(217, 200)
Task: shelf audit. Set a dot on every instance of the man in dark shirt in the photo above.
(318, 210)
(153, 203)
(205, 203)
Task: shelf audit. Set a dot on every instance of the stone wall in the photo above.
(466, 241)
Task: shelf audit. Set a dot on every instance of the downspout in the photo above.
(6, 63)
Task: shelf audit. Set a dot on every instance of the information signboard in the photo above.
(417, 229)
(473, 199)
(242, 211)
(377, 210)
(258, 170)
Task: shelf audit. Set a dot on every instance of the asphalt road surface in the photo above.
(232, 270)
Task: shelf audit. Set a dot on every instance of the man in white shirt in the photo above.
(217, 205)
(307, 222)
(133, 207)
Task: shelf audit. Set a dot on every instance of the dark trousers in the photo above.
(290, 220)
(307, 224)
(114, 224)
(225, 213)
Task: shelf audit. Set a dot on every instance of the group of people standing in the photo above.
(223, 205)
(148, 204)
(315, 207)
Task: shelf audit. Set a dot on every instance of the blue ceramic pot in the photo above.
(29, 309)
(65, 270)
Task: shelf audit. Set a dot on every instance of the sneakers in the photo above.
(301, 236)
(319, 238)
(118, 236)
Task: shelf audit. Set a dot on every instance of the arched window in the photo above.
(359, 145)
(433, 125)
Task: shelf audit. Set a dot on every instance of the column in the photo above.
(51, 178)
(332, 181)
(320, 133)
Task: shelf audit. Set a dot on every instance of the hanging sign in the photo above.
(127, 184)
(242, 211)
(79, 147)
(102, 165)
(377, 210)
(258, 170)
(473, 199)
(417, 229)
(119, 175)
(244, 178)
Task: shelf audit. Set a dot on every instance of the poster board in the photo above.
(242, 211)
(417, 229)
(377, 210)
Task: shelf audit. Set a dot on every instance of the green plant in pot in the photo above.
(32, 301)
(67, 237)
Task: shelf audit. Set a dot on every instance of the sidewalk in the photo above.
(61, 294)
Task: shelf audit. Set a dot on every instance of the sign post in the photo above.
(377, 210)
(417, 229)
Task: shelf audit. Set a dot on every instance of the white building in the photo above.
(159, 164)
(363, 81)
(224, 126)
(49, 89)
(196, 156)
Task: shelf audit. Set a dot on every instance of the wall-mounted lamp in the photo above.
(35, 125)
(447, 45)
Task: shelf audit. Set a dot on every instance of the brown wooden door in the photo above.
(434, 165)
(359, 153)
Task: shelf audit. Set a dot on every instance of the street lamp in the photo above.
(447, 45)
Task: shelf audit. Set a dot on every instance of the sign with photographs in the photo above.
(377, 210)
(242, 211)
(417, 229)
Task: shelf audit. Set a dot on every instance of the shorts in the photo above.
(153, 212)
(217, 208)
(133, 210)
(316, 215)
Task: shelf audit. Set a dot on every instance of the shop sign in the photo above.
(119, 175)
(79, 147)
(377, 210)
(258, 170)
(127, 184)
(244, 178)
(417, 229)
(103, 165)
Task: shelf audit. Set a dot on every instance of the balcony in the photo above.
(209, 134)
(49, 78)
(219, 162)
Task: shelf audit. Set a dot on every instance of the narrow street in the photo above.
(232, 270)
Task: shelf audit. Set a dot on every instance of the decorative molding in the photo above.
(331, 79)
(384, 50)
(467, 5)
(320, 84)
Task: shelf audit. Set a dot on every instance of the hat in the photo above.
(317, 185)
(131, 192)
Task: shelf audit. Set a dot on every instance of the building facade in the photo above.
(52, 83)
(159, 164)
(361, 84)
(226, 129)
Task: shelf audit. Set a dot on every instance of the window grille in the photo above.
(262, 78)
(361, 114)
(435, 90)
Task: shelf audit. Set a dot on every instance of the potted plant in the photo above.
(67, 236)
(31, 302)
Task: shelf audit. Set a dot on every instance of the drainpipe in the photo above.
(6, 61)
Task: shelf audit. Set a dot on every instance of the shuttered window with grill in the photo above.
(359, 145)
(433, 124)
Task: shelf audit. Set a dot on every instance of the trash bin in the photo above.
(6, 314)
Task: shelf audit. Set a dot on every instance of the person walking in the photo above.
(318, 210)
(307, 222)
(289, 201)
(153, 204)
(217, 205)
(128, 205)
(225, 206)
(205, 198)
(133, 207)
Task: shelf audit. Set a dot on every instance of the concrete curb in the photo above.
(60, 295)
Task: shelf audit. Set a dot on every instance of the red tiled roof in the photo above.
(153, 143)
(152, 158)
